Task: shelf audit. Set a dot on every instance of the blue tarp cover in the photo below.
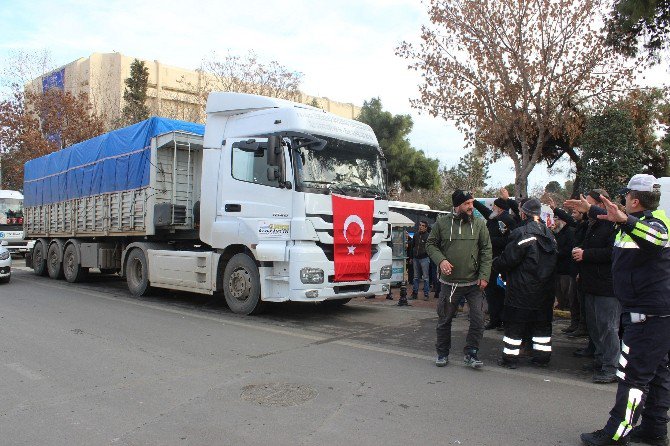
(116, 161)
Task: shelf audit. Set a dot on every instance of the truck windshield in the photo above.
(343, 167)
(11, 211)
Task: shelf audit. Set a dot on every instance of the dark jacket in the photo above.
(529, 260)
(418, 244)
(497, 233)
(595, 269)
(580, 226)
(641, 263)
(565, 238)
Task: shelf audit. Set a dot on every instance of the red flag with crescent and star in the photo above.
(352, 237)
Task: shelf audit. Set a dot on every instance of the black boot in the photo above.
(601, 438)
(638, 435)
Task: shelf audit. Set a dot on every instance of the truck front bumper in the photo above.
(311, 256)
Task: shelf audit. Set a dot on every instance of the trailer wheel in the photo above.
(137, 273)
(72, 266)
(54, 262)
(39, 259)
(242, 285)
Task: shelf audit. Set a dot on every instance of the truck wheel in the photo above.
(54, 264)
(39, 259)
(72, 269)
(137, 273)
(242, 285)
(5, 279)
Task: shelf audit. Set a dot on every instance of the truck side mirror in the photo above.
(250, 145)
(274, 151)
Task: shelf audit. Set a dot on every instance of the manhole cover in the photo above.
(278, 394)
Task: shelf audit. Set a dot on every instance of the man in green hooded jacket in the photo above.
(461, 247)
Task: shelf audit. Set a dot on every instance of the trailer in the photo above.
(255, 205)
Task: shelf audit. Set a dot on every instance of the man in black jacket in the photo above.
(529, 261)
(603, 310)
(499, 223)
(572, 233)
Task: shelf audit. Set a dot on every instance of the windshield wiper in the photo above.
(327, 185)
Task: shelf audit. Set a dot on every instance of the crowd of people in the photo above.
(607, 262)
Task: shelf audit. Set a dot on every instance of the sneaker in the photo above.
(570, 329)
(414, 296)
(601, 377)
(601, 438)
(471, 360)
(491, 325)
(441, 361)
(637, 435)
(425, 297)
(507, 364)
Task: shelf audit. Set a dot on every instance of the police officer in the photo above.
(641, 270)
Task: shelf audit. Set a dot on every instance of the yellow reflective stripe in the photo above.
(648, 237)
(634, 398)
(511, 341)
(650, 231)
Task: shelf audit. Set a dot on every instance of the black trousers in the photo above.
(519, 323)
(495, 298)
(644, 378)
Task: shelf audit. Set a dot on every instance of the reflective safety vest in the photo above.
(623, 240)
(642, 276)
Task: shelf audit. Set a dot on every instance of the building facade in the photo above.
(173, 92)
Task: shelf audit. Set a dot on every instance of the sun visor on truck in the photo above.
(115, 161)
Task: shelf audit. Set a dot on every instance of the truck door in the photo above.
(257, 192)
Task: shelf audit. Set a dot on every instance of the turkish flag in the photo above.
(352, 237)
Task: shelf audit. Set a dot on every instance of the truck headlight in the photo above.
(311, 275)
(385, 272)
(4, 255)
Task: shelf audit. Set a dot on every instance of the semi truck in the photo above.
(11, 222)
(261, 204)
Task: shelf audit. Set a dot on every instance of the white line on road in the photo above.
(310, 337)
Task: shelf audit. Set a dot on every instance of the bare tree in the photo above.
(242, 74)
(516, 73)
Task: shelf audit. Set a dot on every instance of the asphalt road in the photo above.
(87, 364)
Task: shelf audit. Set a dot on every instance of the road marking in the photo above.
(317, 339)
(24, 371)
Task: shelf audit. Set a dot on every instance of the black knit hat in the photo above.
(532, 207)
(502, 204)
(459, 197)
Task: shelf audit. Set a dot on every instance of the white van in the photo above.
(665, 194)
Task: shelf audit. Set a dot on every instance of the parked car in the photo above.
(5, 263)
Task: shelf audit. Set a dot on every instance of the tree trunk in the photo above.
(520, 185)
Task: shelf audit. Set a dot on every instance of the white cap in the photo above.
(644, 183)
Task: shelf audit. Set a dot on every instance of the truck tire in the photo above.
(242, 285)
(39, 259)
(137, 273)
(6, 279)
(54, 262)
(72, 269)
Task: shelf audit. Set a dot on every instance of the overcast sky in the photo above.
(344, 48)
